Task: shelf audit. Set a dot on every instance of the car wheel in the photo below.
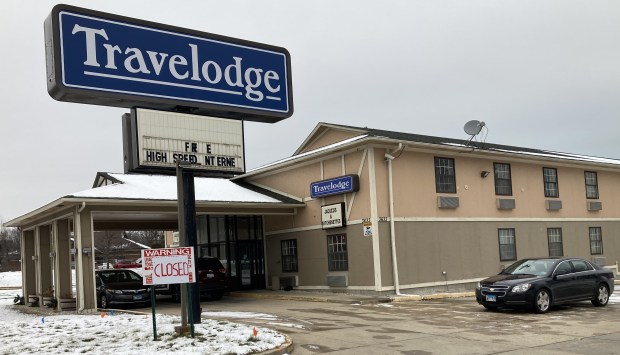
(103, 301)
(175, 292)
(542, 301)
(602, 295)
(217, 295)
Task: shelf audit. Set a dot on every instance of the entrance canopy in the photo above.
(63, 230)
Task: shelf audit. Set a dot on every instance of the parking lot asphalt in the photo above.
(319, 323)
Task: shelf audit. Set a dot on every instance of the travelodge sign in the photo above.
(103, 59)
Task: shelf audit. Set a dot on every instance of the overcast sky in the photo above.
(541, 74)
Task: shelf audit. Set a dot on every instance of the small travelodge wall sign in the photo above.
(332, 216)
(335, 186)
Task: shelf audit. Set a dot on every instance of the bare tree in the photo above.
(9, 248)
(109, 245)
(153, 239)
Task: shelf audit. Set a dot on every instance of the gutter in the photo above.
(389, 157)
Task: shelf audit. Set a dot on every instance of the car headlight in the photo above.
(521, 288)
(478, 285)
(118, 292)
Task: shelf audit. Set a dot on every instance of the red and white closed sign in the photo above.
(168, 266)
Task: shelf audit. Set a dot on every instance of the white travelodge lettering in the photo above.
(180, 66)
(341, 185)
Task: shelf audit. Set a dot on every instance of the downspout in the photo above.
(81, 208)
(389, 158)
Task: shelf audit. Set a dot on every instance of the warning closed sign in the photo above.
(168, 266)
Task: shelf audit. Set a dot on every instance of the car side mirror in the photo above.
(560, 273)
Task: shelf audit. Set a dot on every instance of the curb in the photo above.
(435, 296)
(285, 348)
(311, 298)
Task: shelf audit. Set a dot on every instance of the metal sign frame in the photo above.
(153, 141)
(105, 59)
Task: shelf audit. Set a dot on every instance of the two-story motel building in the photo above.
(429, 214)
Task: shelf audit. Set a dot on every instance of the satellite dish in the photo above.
(473, 127)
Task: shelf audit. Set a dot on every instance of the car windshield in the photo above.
(538, 267)
(119, 276)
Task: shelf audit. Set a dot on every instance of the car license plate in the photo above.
(210, 276)
(139, 297)
(491, 298)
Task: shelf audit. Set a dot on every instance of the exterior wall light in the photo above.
(484, 173)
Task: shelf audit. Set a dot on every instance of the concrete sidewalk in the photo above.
(343, 298)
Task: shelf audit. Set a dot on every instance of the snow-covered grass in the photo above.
(119, 333)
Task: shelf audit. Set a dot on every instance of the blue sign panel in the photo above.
(104, 59)
(339, 185)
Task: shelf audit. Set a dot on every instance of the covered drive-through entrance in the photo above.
(61, 235)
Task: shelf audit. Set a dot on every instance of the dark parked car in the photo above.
(211, 278)
(120, 287)
(544, 282)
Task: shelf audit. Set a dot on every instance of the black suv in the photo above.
(211, 278)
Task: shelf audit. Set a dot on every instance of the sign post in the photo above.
(153, 313)
(167, 266)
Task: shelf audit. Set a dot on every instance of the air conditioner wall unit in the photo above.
(554, 205)
(447, 202)
(506, 203)
(595, 205)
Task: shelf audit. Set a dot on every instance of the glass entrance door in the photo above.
(238, 242)
(250, 263)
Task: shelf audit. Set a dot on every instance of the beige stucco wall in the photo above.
(467, 250)
(330, 137)
(296, 182)
(414, 176)
(312, 262)
(463, 241)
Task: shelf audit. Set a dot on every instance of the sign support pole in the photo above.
(186, 200)
(191, 238)
(153, 311)
(182, 239)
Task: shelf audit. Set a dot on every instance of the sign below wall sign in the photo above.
(155, 140)
(104, 59)
(332, 216)
(367, 229)
(335, 186)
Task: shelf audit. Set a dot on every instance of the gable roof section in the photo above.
(162, 189)
(320, 129)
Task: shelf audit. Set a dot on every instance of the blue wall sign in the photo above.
(104, 59)
(335, 186)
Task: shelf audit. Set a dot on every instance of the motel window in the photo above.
(289, 255)
(596, 241)
(554, 237)
(503, 179)
(337, 256)
(591, 184)
(445, 180)
(550, 177)
(507, 245)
